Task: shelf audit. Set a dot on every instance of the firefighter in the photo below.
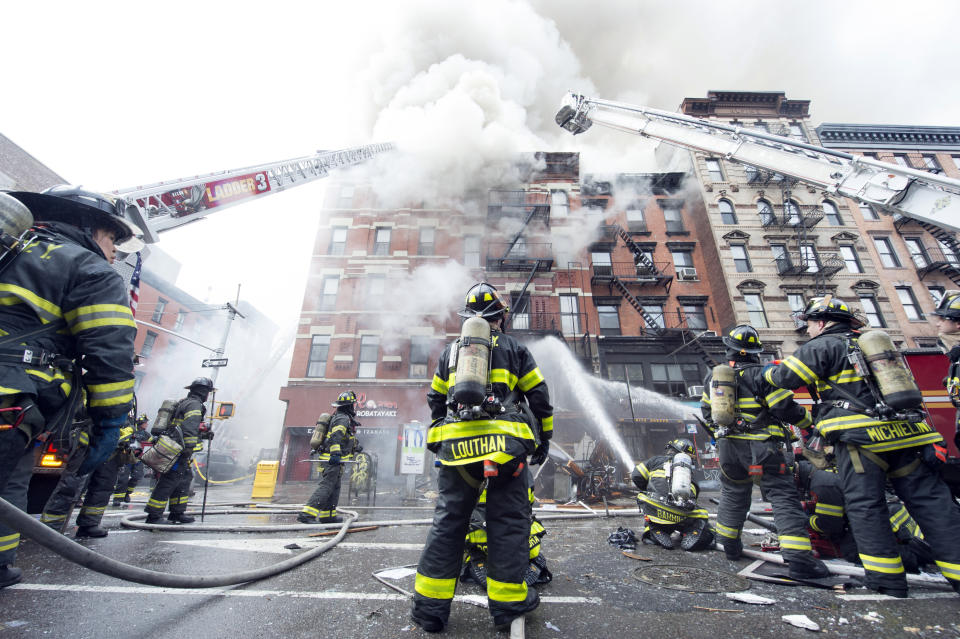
(131, 472)
(340, 444)
(822, 496)
(483, 443)
(670, 506)
(62, 304)
(750, 448)
(872, 445)
(185, 428)
(99, 486)
(948, 327)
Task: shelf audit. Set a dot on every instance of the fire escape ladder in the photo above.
(520, 296)
(640, 259)
(534, 210)
(950, 269)
(635, 303)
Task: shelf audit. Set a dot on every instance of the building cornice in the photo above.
(889, 136)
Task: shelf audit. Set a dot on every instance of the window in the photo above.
(872, 311)
(519, 248)
(181, 317)
(766, 212)
(632, 373)
(635, 219)
(559, 204)
(346, 197)
(948, 253)
(369, 349)
(672, 216)
(793, 212)
(471, 251)
(808, 253)
(851, 259)
(930, 162)
(601, 263)
(831, 213)
(917, 254)
(158, 311)
(909, 302)
(338, 240)
(328, 294)
(755, 311)
(714, 170)
(761, 126)
(780, 256)
(740, 258)
(381, 241)
(673, 379)
(936, 294)
(376, 288)
(797, 305)
(148, 342)
(796, 132)
(569, 314)
(682, 259)
(317, 362)
(520, 312)
(901, 159)
(419, 357)
(696, 316)
(427, 238)
(868, 212)
(727, 216)
(609, 319)
(655, 311)
(887, 257)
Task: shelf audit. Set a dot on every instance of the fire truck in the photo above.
(897, 190)
(162, 206)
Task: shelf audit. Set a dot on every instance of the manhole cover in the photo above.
(690, 579)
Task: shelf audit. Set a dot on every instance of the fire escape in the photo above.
(943, 258)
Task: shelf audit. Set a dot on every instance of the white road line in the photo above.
(879, 597)
(219, 592)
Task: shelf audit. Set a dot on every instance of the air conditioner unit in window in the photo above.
(687, 273)
(695, 391)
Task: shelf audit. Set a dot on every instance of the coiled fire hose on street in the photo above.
(196, 468)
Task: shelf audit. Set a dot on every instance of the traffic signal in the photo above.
(224, 410)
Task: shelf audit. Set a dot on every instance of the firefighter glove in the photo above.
(334, 460)
(358, 449)
(102, 445)
(206, 434)
(540, 454)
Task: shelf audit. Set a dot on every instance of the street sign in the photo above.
(214, 363)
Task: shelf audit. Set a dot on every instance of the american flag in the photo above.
(135, 285)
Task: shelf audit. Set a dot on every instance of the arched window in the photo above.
(727, 215)
(793, 212)
(765, 210)
(831, 213)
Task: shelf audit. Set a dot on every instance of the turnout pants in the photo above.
(99, 489)
(737, 456)
(323, 501)
(127, 479)
(508, 530)
(16, 466)
(173, 486)
(926, 497)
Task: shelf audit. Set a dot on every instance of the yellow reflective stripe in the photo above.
(192, 413)
(547, 424)
(948, 570)
(83, 438)
(642, 469)
(9, 543)
(778, 396)
(726, 531)
(503, 591)
(157, 503)
(46, 376)
(846, 376)
(46, 310)
(829, 510)
(813, 524)
(660, 472)
(338, 428)
(806, 421)
(793, 542)
(96, 315)
(916, 440)
(92, 510)
(310, 510)
(890, 565)
(435, 588)
(758, 436)
(335, 448)
(899, 518)
(111, 394)
(749, 402)
(46, 518)
(503, 376)
(800, 369)
(477, 537)
(531, 379)
(476, 428)
(696, 513)
(439, 385)
(499, 457)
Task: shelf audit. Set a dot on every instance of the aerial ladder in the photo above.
(166, 205)
(926, 197)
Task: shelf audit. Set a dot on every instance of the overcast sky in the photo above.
(113, 95)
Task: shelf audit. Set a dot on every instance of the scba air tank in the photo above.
(164, 415)
(473, 357)
(893, 378)
(681, 472)
(723, 395)
(15, 217)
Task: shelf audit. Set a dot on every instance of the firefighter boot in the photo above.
(181, 518)
(733, 548)
(90, 531)
(304, 518)
(334, 519)
(807, 568)
(9, 575)
(663, 538)
(502, 622)
(153, 518)
(117, 502)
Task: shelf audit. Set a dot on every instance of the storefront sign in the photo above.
(413, 448)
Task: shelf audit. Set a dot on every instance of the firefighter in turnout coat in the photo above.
(68, 333)
(872, 448)
(751, 448)
(495, 436)
(339, 444)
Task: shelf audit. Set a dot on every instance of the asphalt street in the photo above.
(596, 590)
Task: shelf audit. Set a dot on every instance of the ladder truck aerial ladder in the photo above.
(926, 197)
(159, 207)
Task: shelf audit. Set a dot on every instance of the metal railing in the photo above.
(798, 264)
(631, 273)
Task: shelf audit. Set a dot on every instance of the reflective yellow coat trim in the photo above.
(726, 531)
(948, 570)
(889, 565)
(793, 542)
(439, 385)
(642, 469)
(476, 428)
(47, 310)
(829, 510)
(531, 379)
(503, 376)
(96, 315)
(9, 542)
(502, 591)
(435, 588)
(547, 424)
(802, 370)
